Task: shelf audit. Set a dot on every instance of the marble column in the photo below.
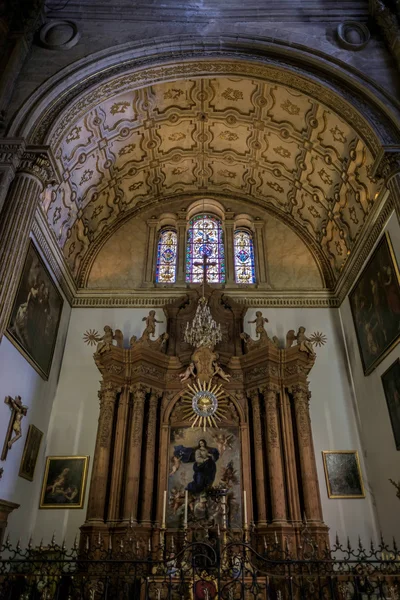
(312, 500)
(149, 469)
(260, 253)
(229, 252)
(180, 270)
(16, 220)
(120, 440)
(258, 459)
(101, 463)
(11, 152)
(149, 270)
(274, 455)
(134, 454)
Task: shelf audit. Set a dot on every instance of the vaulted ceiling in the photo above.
(263, 142)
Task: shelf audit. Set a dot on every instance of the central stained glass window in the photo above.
(166, 256)
(244, 257)
(205, 244)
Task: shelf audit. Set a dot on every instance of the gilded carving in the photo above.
(107, 395)
(271, 418)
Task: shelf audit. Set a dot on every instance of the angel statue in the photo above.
(150, 324)
(259, 321)
(106, 341)
(188, 373)
(219, 371)
(304, 342)
(204, 467)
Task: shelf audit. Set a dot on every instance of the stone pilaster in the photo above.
(274, 455)
(180, 269)
(114, 506)
(101, 462)
(149, 269)
(149, 472)
(34, 171)
(11, 152)
(229, 252)
(259, 247)
(134, 454)
(310, 485)
(258, 459)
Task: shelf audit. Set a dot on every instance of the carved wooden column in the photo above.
(101, 461)
(312, 500)
(16, 221)
(134, 454)
(151, 432)
(120, 440)
(180, 271)
(290, 459)
(258, 458)
(274, 454)
(149, 269)
(229, 252)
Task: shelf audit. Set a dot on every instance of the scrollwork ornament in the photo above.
(107, 397)
(38, 165)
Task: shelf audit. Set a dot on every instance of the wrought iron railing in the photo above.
(219, 568)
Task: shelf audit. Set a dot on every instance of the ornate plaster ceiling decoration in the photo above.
(237, 137)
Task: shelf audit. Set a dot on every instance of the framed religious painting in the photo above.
(31, 452)
(35, 314)
(391, 386)
(343, 474)
(64, 482)
(375, 306)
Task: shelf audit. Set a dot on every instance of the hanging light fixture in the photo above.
(203, 331)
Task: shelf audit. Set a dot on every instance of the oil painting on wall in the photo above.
(64, 482)
(31, 451)
(36, 314)
(343, 474)
(200, 461)
(375, 305)
(391, 385)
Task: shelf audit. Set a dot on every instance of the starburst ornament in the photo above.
(203, 331)
(91, 337)
(206, 404)
(318, 338)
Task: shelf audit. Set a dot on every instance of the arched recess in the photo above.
(373, 115)
(238, 421)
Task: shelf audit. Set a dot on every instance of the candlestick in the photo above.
(186, 508)
(164, 512)
(245, 508)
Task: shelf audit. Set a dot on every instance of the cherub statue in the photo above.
(106, 341)
(119, 338)
(304, 342)
(219, 371)
(20, 413)
(275, 341)
(133, 341)
(259, 321)
(290, 338)
(188, 373)
(150, 324)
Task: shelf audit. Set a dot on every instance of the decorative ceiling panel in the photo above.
(256, 140)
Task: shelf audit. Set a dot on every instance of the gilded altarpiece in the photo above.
(147, 454)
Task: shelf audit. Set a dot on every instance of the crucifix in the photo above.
(205, 264)
(14, 431)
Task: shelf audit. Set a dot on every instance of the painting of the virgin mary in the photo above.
(204, 467)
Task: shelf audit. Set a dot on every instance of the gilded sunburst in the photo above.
(206, 404)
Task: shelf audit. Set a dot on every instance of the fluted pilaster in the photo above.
(258, 458)
(134, 454)
(150, 445)
(274, 455)
(120, 441)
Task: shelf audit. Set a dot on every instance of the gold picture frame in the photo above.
(373, 301)
(64, 482)
(30, 454)
(343, 474)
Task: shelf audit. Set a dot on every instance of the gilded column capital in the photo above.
(269, 391)
(253, 394)
(108, 392)
(139, 391)
(387, 163)
(300, 393)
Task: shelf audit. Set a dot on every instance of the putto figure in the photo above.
(150, 324)
(259, 321)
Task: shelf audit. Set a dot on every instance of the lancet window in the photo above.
(244, 257)
(166, 256)
(205, 245)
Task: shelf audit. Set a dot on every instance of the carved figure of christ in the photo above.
(205, 264)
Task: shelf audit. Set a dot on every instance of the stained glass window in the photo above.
(166, 256)
(205, 243)
(244, 257)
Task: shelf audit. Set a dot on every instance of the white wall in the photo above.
(19, 378)
(73, 424)
(376, 431)
(333, 414)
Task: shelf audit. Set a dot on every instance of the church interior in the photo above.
(199, 295)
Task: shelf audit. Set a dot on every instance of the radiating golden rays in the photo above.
(207, 404)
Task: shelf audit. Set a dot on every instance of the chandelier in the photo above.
(203, 331)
